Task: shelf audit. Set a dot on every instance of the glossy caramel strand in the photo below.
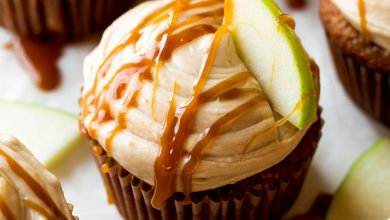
(167, 163)
(221, 89)
(165, 189)
(33, 184)
(5, 210)
(363, 19)
(277, 124)
(184, 37)
(208, 137)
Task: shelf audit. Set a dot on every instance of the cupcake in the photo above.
(65, 19)
(181, 128)
(359, 37)
(27, 189)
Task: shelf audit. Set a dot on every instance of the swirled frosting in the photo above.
(369, 15)
(27, 189)
(167, 96)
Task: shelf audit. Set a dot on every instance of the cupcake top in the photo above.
(371, 17)
(27, 189)
(171, 101)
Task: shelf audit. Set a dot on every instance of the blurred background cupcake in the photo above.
(181, 129)
(27, 190)
(359, 37)
(64, 19)
(40, 28)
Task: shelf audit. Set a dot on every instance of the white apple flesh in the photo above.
(48, 133)
(275, 56)
(365, 191)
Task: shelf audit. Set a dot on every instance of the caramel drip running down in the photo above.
(209, 136)
(5, 210)
(167, 163)
(363, 20)
(286, 19)
(278, 124)
(40, 60)
(34, 185)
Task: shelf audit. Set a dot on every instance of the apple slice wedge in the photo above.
(274, 54)
(48, 133)
(365, 191)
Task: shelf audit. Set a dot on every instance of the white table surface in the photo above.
(346, 134)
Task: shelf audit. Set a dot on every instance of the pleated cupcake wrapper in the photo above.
(66, 19)
(267, 195)
(369, 89)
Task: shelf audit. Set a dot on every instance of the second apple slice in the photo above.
(47, 132)
(273, 53)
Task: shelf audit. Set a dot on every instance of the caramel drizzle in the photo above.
(363, 20)
(176, 132)
(286, 19)
(5, 210)
(209, 136)
(168, 41)
(34, 185)
(278, 124)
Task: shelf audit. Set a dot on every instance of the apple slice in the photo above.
(365, 191)
(275, 56)
(48, 133)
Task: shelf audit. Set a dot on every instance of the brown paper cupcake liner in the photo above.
(66, 19)
(362, 66)
(267, 195)
(368, 88)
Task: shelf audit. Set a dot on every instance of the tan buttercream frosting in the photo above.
(376, 14)
(247, 145)
(27, 190)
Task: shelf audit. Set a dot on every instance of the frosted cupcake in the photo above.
(27, 189)
(64, 19)
(359, 37)
(179, 125)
